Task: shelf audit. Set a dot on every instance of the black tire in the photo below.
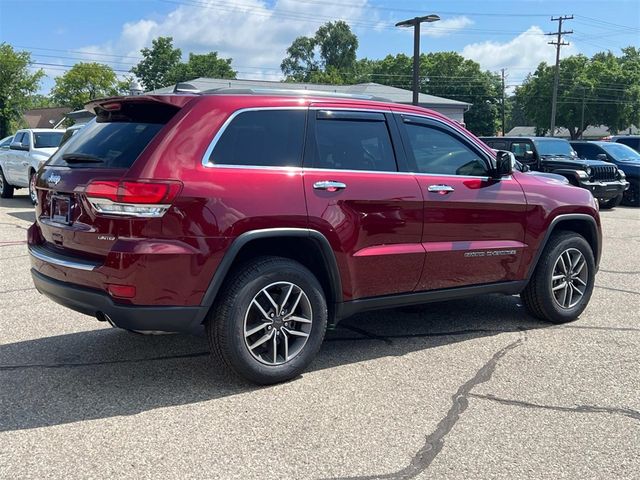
(611, 203)
(6, 190)
(631, 197)
(538, 296)
(226, 323)
(32, 193)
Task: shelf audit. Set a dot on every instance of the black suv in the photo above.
(623, 157)
(555, 155)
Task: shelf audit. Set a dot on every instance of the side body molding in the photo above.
(328, 259)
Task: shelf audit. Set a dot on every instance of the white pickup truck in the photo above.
(21, 159)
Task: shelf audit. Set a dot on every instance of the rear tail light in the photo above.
(132, 198)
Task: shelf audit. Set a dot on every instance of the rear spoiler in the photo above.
(111, 103)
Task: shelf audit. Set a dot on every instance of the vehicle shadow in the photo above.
(25, 216)
(106, 372)
(18, 201)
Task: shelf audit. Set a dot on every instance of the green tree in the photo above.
(444, 74)
(16, 85)
(205, 65)
(158, 63)
(85, 82)
(605, 85)
(327, 57)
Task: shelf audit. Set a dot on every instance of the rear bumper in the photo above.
(606, 190)
(131, 317)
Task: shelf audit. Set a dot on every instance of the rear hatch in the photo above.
(97, 159)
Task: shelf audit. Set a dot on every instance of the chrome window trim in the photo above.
(41, 255)
(205, 158)
(207, 164)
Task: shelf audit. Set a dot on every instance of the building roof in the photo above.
(393, 94)
(45, 117)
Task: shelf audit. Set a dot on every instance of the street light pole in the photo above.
(415, 23)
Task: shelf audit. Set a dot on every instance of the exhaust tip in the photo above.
(103, 317)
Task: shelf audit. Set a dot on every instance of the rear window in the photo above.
(265, 138)
(114, 139)
(47, 139)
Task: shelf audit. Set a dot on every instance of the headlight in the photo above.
(588, 170)
(583, 175)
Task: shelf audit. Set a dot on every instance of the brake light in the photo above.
(134, 198)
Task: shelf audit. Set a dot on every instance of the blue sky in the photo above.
(255, 33)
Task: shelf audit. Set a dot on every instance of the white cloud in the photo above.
(445, 27)
(252, 32)
(519, 56)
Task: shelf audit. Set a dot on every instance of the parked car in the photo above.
(28, 150)
(624, 157)
(263, 218)
(555, 155)
(632, 141)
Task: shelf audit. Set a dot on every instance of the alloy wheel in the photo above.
(278, 323)
(569, 278)
(32, 188)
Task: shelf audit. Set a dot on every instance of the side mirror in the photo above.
(528, 155)
(603, 157)
(504, 164)
(19, 146)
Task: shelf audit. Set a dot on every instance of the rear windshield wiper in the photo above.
(81, 158)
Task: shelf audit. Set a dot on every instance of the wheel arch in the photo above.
(309, 247)
(580, 223)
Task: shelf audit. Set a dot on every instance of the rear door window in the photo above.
(353, 141)
(264, 138)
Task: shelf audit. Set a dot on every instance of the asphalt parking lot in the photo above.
(457, 390)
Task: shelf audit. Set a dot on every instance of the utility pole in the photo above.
(582, 126)
(503, 105)
(558, 43)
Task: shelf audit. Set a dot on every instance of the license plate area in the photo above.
(61, 209)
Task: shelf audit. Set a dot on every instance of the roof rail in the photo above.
(291, 92)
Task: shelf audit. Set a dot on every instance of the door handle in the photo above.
(329, 185)
(441, 189)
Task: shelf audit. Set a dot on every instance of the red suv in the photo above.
(264, 218)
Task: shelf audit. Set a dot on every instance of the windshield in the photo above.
(621, 152)
(47, 139)
(554, 146)
(116, 144)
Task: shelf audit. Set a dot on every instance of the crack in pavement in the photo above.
(14, 256)
(93, 364)
(13, 243)
(595, 327)
(619, 272)
(618, 290)
(435, 440)
(18, 290)
(19, 227)
(627, 412)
